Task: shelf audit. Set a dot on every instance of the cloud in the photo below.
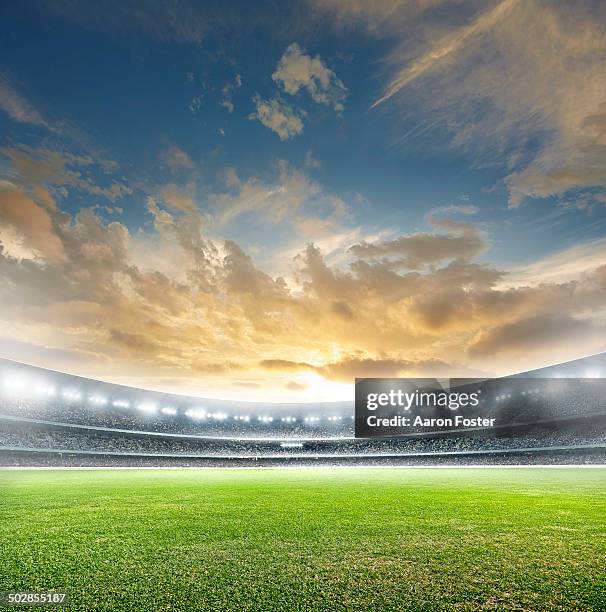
(168, 22)
(290, 199)
(296, 71)
(177, 198)
(447, 47)
(379, 17)
(40, 167)
(293, 385)
(175, 159)
(31, 222)
(228, 92)
(350, 367)
(278, 116)
(538, 331)
(463, 242)
(524, 80)
(181, 303)
(559, 267)
(19, 109)
(311, 161)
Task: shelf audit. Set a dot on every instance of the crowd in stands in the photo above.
(24, 435)
(557, 457)
(224, 424)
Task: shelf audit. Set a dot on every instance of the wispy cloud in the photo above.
(518, 83)
(18, 108)
(446, 48)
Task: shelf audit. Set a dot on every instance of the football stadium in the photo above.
(508, 517)
(303, 305)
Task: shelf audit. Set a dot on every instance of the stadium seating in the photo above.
(49, 418)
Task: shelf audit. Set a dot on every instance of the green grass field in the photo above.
(332, 539)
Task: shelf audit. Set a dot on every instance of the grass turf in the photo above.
(332, 539)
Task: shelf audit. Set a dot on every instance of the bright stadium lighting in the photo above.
(71, 395)
(121, 404)
(147, 407)
(15, 383)
(168, 410)
(98, 400)
(195, 413)
(43, 389)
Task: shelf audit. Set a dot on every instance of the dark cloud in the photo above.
(463, 242)
(529, 334)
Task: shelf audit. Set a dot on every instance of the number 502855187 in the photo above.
(20, 598)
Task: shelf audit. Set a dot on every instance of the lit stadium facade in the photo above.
(551, 415)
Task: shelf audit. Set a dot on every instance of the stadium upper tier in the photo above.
(27, 392)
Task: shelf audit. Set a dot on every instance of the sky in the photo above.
(265, 200)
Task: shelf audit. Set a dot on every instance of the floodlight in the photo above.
(147, 407)
(196, 414)
(168, 410)
(43, 389)
(71, 395)
(121, 404)
(98, 400)
(15, 383)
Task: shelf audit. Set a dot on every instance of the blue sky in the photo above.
(203, 149)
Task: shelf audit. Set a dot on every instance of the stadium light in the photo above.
(195, 414)
(168, 410)
(147, 407)
(16, 383)
(121, 404)
(71, 395)
(98, 400)
(47, 390)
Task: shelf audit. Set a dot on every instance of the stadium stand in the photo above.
(552, 415)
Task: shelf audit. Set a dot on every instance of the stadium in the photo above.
(555, 415)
